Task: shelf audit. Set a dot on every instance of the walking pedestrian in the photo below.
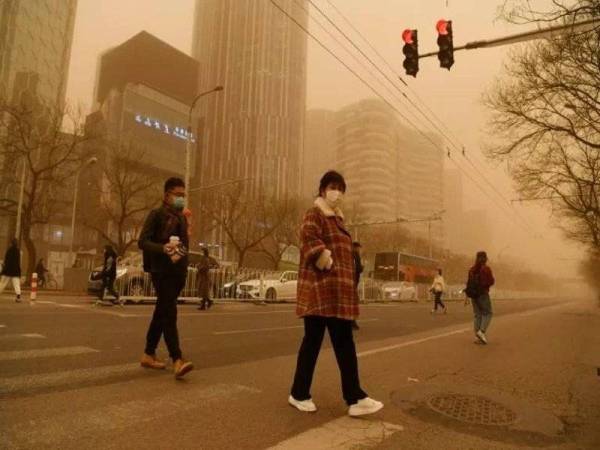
(204, 265)
(358, 270)
(327, 299)
(164, 241)
(40, 269)
(437, 289)
(479, 283)
(109, 274)
(11, 270)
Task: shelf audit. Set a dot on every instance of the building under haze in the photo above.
(143, 92)
(368, 154)
(35, 48)
(318, 154)
(254, 129)
(142, 97)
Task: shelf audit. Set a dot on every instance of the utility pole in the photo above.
(21, 196)
(545, 33)
(188, 145)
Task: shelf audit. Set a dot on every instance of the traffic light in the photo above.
(411, 52)
(445, 44)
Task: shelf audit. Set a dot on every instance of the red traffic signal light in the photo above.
(411, 52)
(409, 36)
(445, 43)
(442, 26)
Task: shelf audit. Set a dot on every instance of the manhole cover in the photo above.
(472, 409)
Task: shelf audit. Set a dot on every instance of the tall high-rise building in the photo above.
(454, 215)
(319, 153)
(254, 128)
(367, 154)
(35, 48)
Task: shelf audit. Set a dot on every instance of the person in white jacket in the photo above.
(437, 288)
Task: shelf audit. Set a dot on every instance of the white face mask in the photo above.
(334, 198)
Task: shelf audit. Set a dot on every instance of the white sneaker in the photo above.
(302, 405)
(481, 336)
(365, 406)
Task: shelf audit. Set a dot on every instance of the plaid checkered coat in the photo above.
(323, 291)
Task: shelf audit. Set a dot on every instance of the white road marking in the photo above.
(413, 342)
(254, 330)
(461, 330)
(344, 432)
(23, 335)
(44, 352)
(56, 429)
(67, 378)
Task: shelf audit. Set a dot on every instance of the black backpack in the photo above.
(473, 289)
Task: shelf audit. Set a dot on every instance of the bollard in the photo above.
(33, 293)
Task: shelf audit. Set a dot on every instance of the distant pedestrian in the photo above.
(438, 287)
(109, 274)
(204, 265)
(40, 269)
(327, 299)
(479, 283)
(164, 240)
(11, 270)
(358, 270)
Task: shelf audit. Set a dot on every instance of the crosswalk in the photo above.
(95, 402)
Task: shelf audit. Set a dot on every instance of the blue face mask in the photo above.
(179, 203)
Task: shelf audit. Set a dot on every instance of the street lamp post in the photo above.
(188, 146)
(92, 160)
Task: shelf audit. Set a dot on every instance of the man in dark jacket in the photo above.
(206, 263)
(164, 240)
(11, 270)
(479, 283)
(109, 274)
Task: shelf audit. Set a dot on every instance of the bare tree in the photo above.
(288, 212)
(246, 218)
(125, 190)
(33, 143)
(546, 116)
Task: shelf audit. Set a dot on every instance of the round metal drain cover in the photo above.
(472, 409)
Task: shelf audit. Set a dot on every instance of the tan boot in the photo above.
(150, 362)
(181, 367)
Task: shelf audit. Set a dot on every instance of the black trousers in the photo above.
(108, 284)
(168, 286)
(438, 300)
(340, 333)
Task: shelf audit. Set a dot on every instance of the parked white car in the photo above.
(274, 287)
(398, 290)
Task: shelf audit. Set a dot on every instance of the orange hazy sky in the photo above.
(455, 95)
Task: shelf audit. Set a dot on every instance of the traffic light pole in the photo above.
(526, 36)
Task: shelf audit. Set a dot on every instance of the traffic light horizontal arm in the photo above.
(526, 36)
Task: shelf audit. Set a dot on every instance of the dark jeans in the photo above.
(340, 332)
(438, 301)
(164, 320)
(108, 284)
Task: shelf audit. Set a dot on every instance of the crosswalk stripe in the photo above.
(52, 431)
(344, 432)
(23, 335)
(23, 383)
(44, 352)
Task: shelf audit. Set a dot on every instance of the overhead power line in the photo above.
(386, 101)
(462, 146)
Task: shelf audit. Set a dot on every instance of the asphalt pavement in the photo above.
(70, 378)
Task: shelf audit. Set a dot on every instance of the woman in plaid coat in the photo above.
(327, 299)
